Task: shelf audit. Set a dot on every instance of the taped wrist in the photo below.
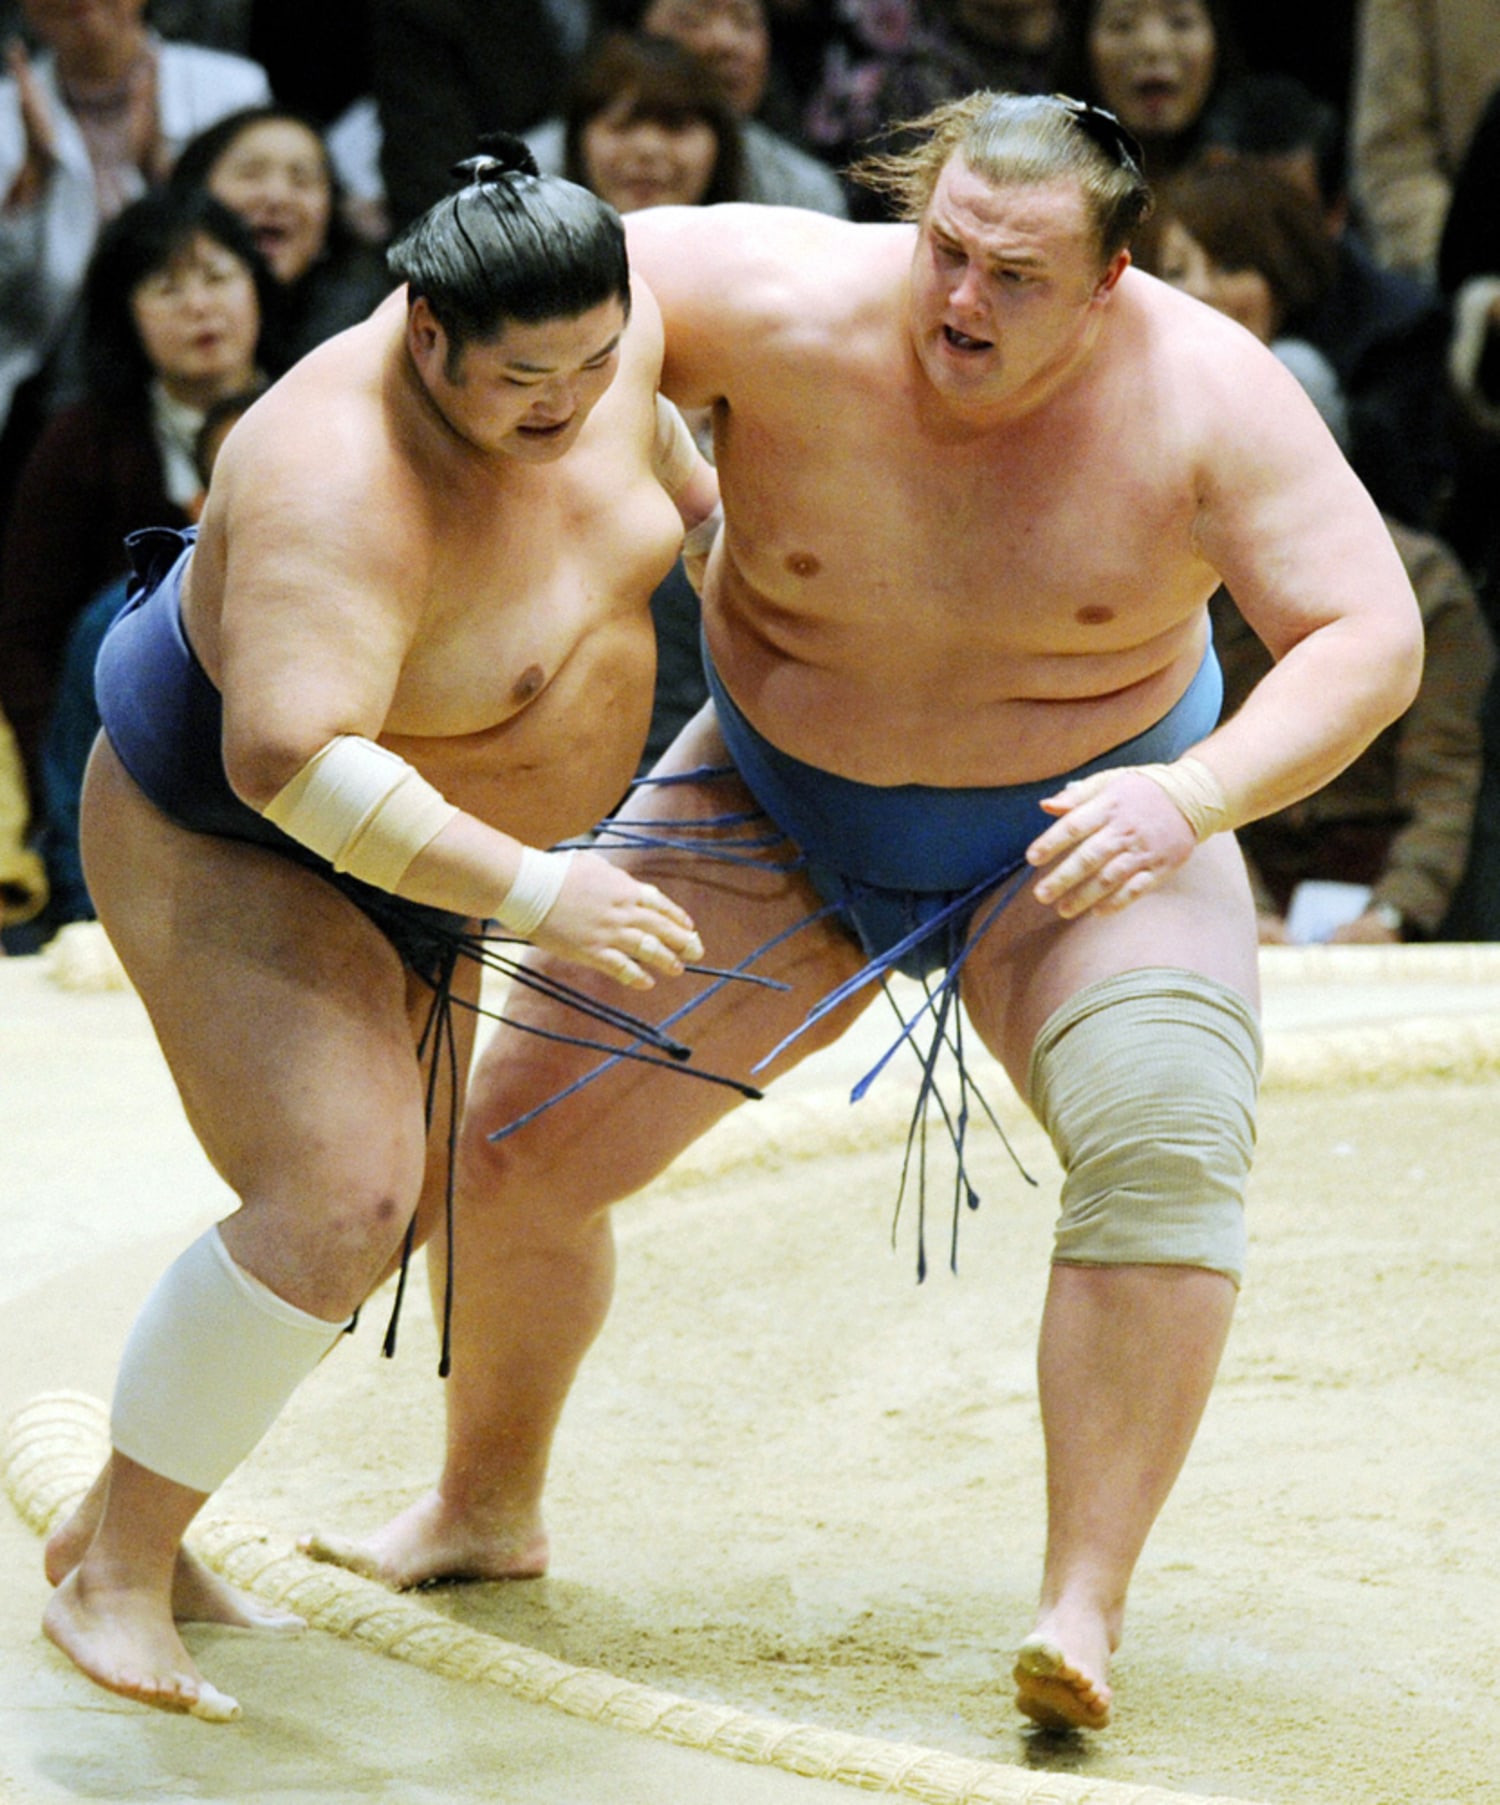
(1193, 788)
(361, 807)
(538, 883)
(674, 454)
(212, 1359)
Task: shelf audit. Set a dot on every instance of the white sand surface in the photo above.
(794, 1487)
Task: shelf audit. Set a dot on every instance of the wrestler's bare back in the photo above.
(457, 607)
(910, 590)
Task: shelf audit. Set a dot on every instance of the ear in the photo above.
(424, 336)
(1116, 267)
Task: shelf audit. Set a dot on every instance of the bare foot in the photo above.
(198, 1594)
(67, 1543)
(125, 1640)
(428, 1544)
(1057, 1691)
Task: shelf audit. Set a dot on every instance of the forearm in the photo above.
(1312, 715)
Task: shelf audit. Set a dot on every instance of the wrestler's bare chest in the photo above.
(1036, 543)
(520, 592)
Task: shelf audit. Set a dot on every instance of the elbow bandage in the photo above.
(368, 812)
(212, 1359)
(674, 455)
(361, 807)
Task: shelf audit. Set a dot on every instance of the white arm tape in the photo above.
(538, 883)
(674, 455)
(361, 807)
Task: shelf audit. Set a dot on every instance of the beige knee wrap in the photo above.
(211, 1360)
(1146, 1083)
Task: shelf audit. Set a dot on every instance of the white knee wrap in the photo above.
(211, 1360)
(1146, 1083)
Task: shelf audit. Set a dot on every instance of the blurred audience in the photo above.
(442, 73)
(1469, 271)
(895, 64)
(90, 117)
(1423, 72)
(1282, 37)
(646, 124)
(23, 878)
(271, 166)
(1240, 237)
(732, 38)
(74, 718)
(1157, 64)
(173, 307)
(1385, 334)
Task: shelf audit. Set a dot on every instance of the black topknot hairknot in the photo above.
(500, 154)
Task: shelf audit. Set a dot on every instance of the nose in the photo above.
(557, 399)
(1153, 35)
(967, 293)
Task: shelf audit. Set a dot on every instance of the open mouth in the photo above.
(553, 430)
(960, 341)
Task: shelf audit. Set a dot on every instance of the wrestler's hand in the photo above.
(1117, 835)
(612, 922)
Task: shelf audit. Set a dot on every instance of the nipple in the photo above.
(1095, 615)
(529, 682)
(803, 564)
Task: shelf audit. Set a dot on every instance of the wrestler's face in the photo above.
(1153, 62)
(526, 393)
(274, 174)
(1006, 289)
(199, 319)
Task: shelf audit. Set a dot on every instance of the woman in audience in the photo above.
(647, 125)
(1248, 242)
(271, 165)
(172, 307)
(87, 124)
(1157, 64)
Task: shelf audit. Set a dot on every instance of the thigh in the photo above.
(1030, 961)
(626, 1124)
(283, 1013)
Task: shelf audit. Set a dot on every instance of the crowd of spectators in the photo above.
(196, 193)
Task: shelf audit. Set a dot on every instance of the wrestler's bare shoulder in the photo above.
(1226, 388)
(753, 277)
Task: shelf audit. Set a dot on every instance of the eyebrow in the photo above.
(995, 259)
(594, 357)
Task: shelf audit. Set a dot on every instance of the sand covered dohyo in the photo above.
(795, 1482)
